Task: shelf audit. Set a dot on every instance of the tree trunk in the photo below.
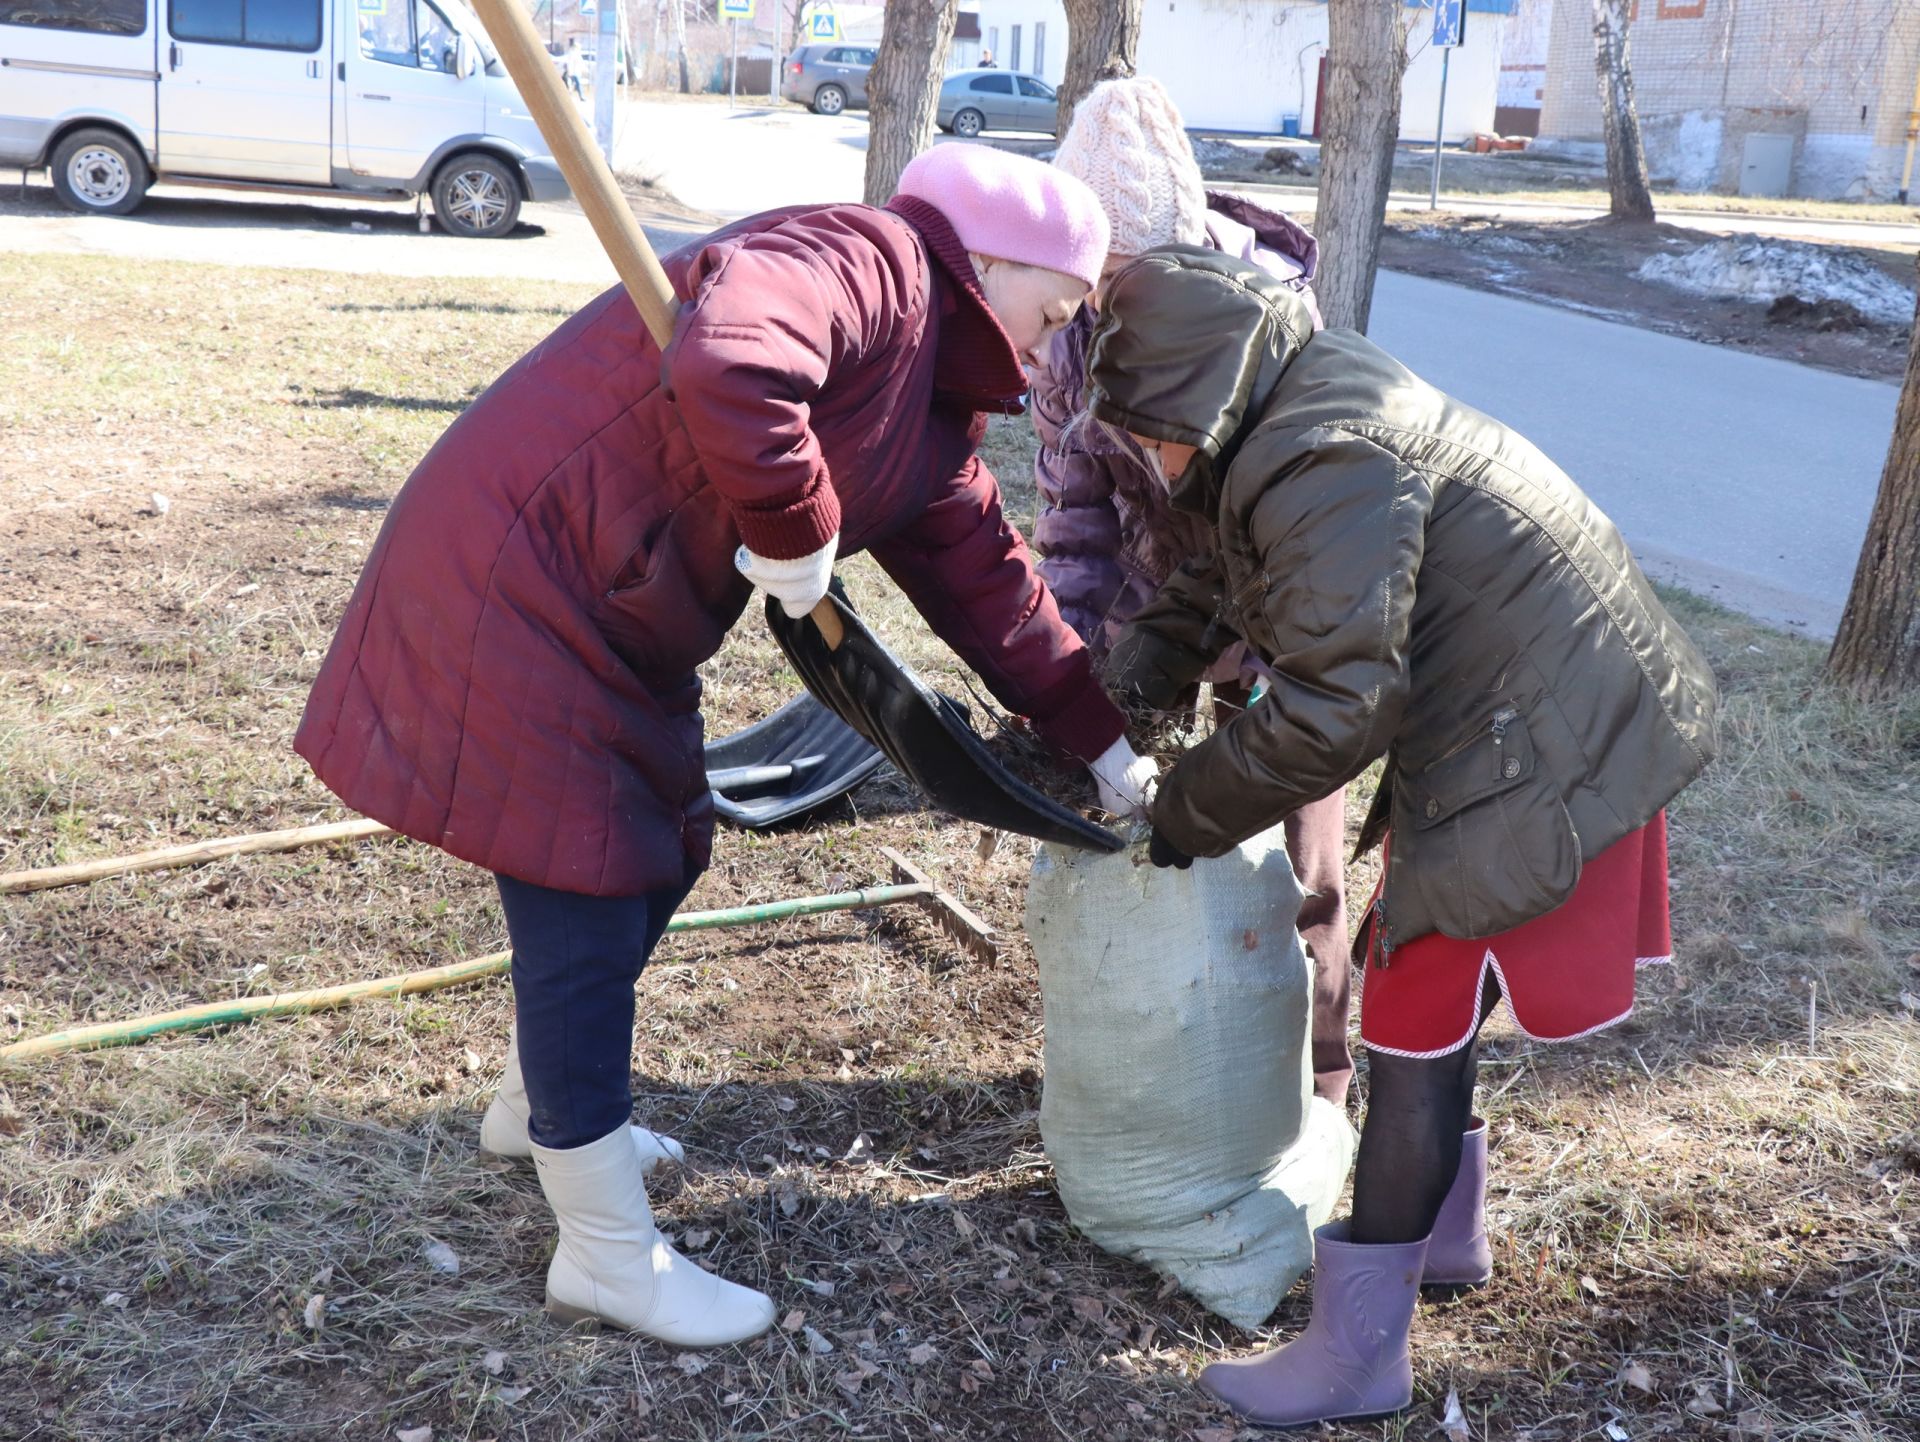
(1877, 651)
(1366, 59)
(903, 88)
(1103, 43)
(1626, 156)
(680, 44)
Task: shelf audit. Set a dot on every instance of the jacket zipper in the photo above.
(1502, 719)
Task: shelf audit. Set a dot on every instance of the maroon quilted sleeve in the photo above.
(967, 571)
(769, 322)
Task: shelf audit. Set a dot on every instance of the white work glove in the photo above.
(798, 584)
(1125, 781)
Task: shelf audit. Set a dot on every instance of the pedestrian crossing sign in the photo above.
(822, 23)
(736, 9)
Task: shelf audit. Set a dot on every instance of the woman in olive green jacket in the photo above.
(1428, 587)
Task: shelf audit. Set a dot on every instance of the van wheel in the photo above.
(476, 196)
(99, 172)
(829, 100)
(969, 123)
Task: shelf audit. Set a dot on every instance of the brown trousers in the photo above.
(1317, 846)
(1317, 843)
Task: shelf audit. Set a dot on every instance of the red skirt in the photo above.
(1564, 975)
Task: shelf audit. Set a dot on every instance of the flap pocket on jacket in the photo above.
(1483, 837)
(1498, 759)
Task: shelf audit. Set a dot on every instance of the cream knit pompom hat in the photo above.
(1127, 143)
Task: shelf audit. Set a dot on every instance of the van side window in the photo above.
(263, 24)
(100, 17)
(407, 32)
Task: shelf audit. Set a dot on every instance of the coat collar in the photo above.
(975, 360)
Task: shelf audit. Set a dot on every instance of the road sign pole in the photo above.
(733, 60)
(1440, 128)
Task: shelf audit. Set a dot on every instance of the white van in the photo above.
(380, 98)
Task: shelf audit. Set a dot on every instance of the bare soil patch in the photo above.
(1705, 1219)
(1590, 266)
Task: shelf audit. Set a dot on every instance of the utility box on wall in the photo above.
(1766, 165)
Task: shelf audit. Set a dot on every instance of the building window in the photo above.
(1013, 55)
(116, 17)
(993, 42)
(1040, 48)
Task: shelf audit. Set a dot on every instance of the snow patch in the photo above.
(1763, 270)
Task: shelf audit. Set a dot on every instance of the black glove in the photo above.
(1162, 852)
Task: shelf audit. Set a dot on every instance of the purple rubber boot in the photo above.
(1351, 1358)
(1457, 1252)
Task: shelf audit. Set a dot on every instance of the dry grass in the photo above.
(1721, 1191)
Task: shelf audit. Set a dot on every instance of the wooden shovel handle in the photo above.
(511, 25)
(828, 620)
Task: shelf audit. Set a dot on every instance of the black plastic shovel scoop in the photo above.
(922, 733)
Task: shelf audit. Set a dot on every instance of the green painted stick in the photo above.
(301, 1003)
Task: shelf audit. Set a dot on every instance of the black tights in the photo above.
(1417, 1111)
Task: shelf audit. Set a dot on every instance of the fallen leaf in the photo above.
(248, 589)
(1703, 1404)
(440, 1257)
(1588, 1285)
(1636, 1376)
(733, 1399)
(967, 1230)
(115, 1299)
(793, 1321)
(1617, 1433)
(1753, 1424)
(692, 1363)
(849, 1382)
(816, 1344)
(316, 1312)
(470, 1059)
(414, 1434)
(1090, 1309)
(1215, 1434)
(1453, 1421)
(510, 1395)
(495, 1362)
(697, 1238)
(861, 1150)
(819, 1289)
(921, 1355)
(785, 1104)
(1910, 1001)
(988, 844)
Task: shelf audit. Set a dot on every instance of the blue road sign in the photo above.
(1449, 23)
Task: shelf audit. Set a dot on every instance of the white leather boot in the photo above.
(611, 1266)
(503, 1130)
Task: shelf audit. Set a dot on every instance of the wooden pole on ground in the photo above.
(193, 853)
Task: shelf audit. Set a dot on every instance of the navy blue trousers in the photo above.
(575, 960)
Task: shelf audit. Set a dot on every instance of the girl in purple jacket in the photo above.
(1106, 535)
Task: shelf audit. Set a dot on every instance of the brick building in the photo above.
(1763, 97)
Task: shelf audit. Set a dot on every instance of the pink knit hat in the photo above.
(1012, 208)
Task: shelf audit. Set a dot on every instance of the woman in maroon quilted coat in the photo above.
(515, 677)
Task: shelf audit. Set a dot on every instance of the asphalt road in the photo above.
(1746, 479)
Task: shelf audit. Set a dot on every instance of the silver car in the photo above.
(975, 100)
(829, 78)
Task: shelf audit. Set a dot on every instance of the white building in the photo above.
(1246, 65)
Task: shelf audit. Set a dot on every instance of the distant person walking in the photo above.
(573, 66)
